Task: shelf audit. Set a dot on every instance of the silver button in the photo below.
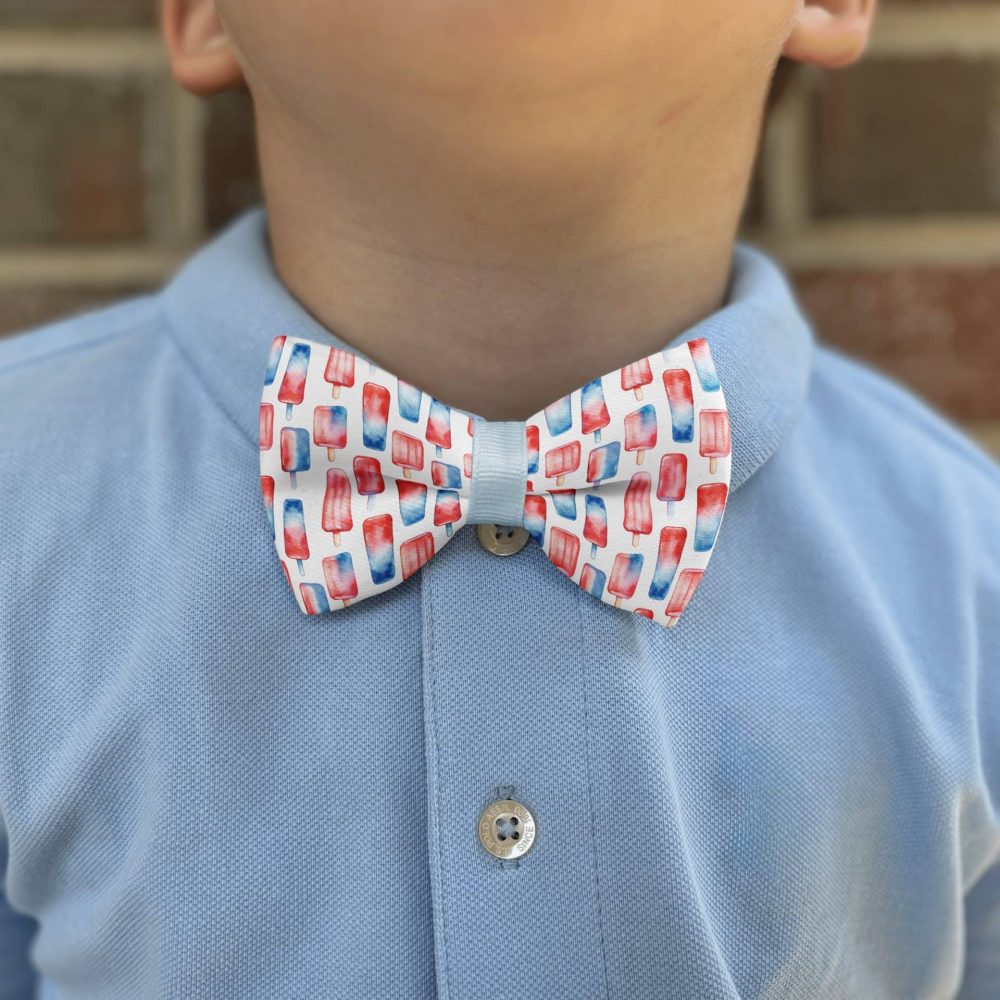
(501, 539)
(507, 829)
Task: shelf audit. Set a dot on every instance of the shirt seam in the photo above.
(591, 823)
(228, 418)
(126, 327)
(428, 602)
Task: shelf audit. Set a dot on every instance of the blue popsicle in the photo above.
(559, 416)
(408, 399)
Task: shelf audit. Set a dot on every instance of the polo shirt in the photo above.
(205, 793)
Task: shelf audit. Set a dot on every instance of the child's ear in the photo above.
(830, 33)
(201, 56)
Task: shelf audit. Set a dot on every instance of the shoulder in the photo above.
(56, 380)
(885, 416)
(880, 437)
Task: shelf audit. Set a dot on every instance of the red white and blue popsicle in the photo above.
(711, 504)
(447, 510)
(677, 383)
(535, 510)
(408, 399)
(273, 360)
(341, 581)
(293, 385)
(594, 414)
(412, 501)
(625, 576)
(704, 365)
(330, 429)
(296, 543)
(438, 430)
(640, 431)
(595, 526)
(378, 537)
(368, 476)
(374, 415)
(294, 451)
(672, 484)
(668, 558)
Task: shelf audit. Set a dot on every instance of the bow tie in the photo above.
(624, 480)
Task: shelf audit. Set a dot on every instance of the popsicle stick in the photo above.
(406, 473)
(291, 476)
(331, 453)
(638, 457)
(712, 465)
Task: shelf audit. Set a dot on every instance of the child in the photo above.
(377, 681)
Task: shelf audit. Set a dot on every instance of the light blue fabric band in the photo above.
(499, 472)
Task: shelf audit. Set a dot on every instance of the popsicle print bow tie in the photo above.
(365, 477)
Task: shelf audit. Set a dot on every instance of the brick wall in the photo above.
(878, 186)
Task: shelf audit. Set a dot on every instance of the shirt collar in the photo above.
(227, 304)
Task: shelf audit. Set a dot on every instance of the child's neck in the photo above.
(501, 287)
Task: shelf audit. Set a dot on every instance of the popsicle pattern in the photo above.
(365, 477)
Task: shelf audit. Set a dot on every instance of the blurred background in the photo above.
(878, 187)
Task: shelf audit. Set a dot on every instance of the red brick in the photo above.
(231, 175)
(77, 13)
(74, 171)
(904, 136)
(933, 328)
(21, 309)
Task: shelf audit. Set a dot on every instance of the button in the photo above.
(507, 829)
(501, 539)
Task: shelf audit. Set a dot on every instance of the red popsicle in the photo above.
(636, 375)
(407, 452)
(561, 461)
(266, 426)
(714, 437)
(687, 584)
(337, 516)
(672, 484)
(638, 512)
(564, 550)
(339, 370)
(415, 553)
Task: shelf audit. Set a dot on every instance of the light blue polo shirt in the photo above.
(204, 793)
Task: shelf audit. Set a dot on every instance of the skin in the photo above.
(499, 200)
